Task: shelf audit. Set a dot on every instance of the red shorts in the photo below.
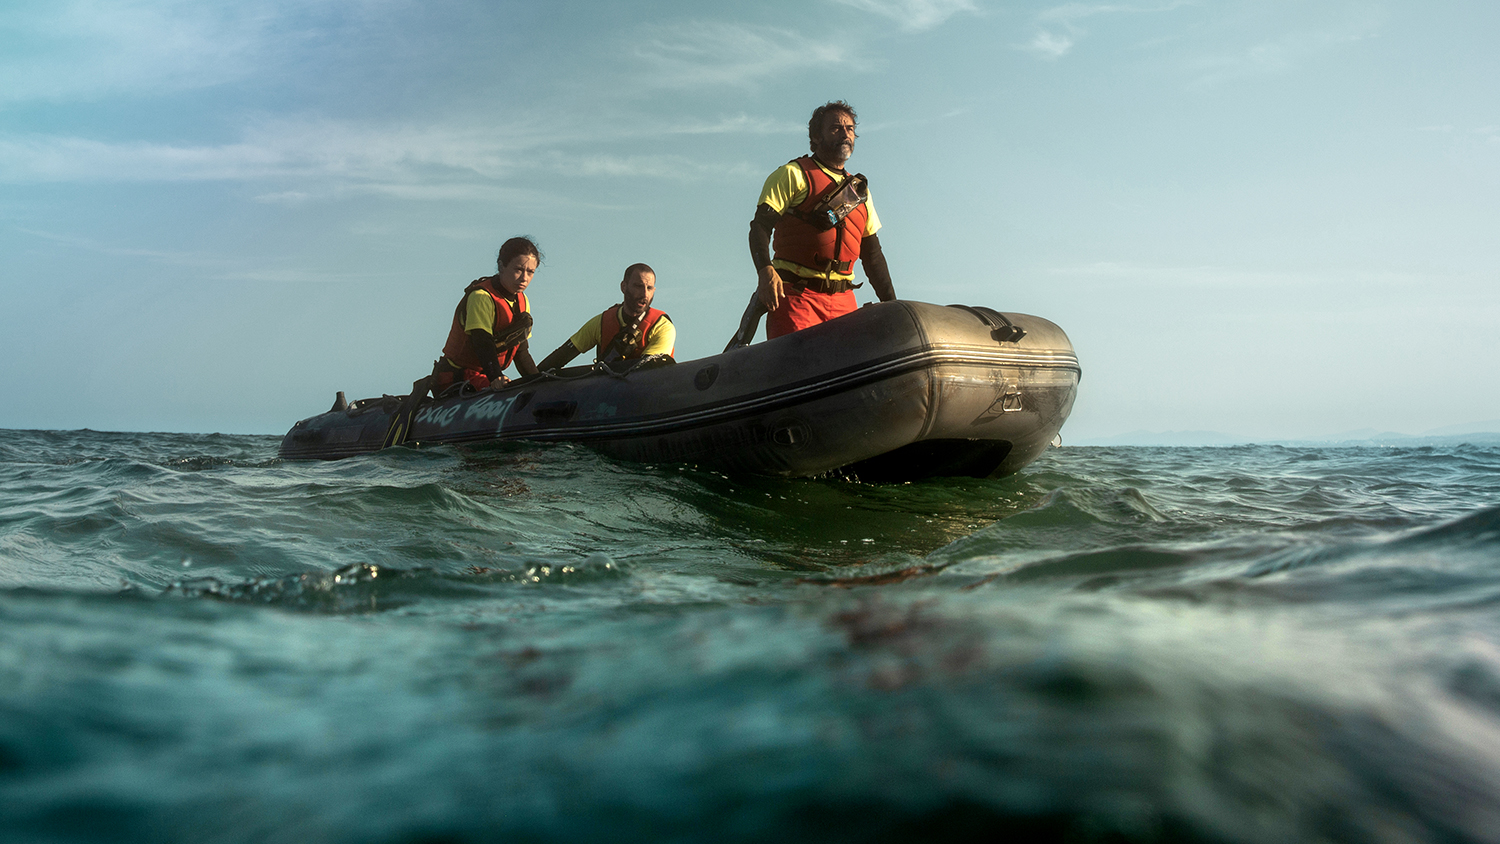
(806, 308)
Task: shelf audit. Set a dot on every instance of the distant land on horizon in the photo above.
(1478, 433)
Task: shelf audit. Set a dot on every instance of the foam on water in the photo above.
(199, 642)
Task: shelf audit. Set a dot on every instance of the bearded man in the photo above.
(629, 330)
(819, 219)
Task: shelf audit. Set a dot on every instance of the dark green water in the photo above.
(199, 642)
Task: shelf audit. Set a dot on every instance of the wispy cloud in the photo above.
(913, 15)
(1465, 141)
(300, 161)
(1050, 45)
(278, 149)
(88, 48)
(161, 256)
(673, 167)
(1137, 276)
(1058, 29)
(63, 50)
(1198, 277)
(739, 124)
(1221, 50)
(1280, 54)
(210, 265)
(697, 54)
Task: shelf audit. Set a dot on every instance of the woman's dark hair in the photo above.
(636, 268)
(815, 125)
(515, 248)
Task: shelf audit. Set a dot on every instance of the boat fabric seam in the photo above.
(720, 413)
(932, 383)
(796, 393)
(766, 401)
(769, 401)
(938, 355)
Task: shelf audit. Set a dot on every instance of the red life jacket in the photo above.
(801, 243)
(609, 326)
(457, 351)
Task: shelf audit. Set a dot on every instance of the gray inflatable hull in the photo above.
(895, 391)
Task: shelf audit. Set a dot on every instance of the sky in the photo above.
(1269, 218)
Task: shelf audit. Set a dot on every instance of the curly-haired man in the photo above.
(818, 218)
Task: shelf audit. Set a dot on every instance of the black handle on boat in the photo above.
(1002, 330)
(749, 322)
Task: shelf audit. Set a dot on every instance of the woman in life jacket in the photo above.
(629, 330)
(492, 323)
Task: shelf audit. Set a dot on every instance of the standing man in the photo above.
(818, 218)
(629, 330)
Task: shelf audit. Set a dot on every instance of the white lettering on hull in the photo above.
(484, 409)
(488, 408)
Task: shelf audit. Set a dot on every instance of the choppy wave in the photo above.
(199, 642)
(363, 587)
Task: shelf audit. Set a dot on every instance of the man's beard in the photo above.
(837, 153)
(632, 314)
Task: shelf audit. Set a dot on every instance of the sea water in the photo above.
(202, 643)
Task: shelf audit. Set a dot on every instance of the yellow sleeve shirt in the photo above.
(786, 188)
(661, 340)
(479, 312)
(663, 337)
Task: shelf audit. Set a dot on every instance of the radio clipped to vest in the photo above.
(622, 343)
(625, 339)
(515, 334)
(843, 197)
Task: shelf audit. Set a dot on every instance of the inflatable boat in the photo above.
(894, 391)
